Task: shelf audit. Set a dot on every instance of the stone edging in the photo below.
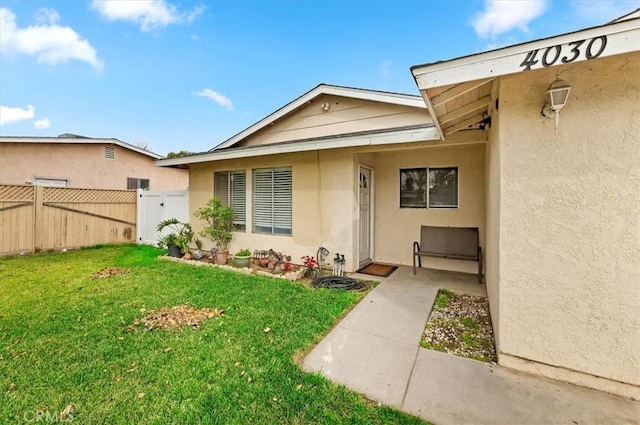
(292, 276)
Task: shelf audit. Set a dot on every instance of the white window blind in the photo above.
(272, 201)
(231, 188)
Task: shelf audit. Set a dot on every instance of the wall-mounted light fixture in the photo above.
(557, 96)
(326, 106)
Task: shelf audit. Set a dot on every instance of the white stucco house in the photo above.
(557, 202)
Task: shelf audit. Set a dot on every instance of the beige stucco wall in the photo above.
(345, 115)
(323, 202)
(569, 234)
(492, 216)
(396, 228)
(85, 166)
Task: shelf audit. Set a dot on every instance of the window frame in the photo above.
(138, 183)
(240, 225)
(427, 195)
(275, 230)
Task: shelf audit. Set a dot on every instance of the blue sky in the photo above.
(188, 75)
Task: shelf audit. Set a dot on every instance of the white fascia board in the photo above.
(78, 141)
(622, 37)
(387, 138)
(324, 89)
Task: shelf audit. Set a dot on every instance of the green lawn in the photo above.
(64, 340)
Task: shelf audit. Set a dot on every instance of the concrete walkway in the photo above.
(375, 350)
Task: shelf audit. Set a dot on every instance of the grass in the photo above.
(461, 335)
(443, 298)
(64, 341)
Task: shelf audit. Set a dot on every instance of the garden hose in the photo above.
(340, 283)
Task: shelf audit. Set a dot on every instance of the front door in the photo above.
(364, 239)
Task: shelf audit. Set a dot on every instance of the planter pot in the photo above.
(263, 262)
(221, 257)
(174, 251)
(241, 260)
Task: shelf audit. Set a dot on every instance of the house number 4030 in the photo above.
(549, 56)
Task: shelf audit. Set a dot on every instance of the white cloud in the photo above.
(49, 42)
(10, 115)
(601, 12)
(216, 97)
(501, 16)
(47, 16)
(149, 14)
(42, 124)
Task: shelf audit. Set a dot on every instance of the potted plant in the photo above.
(219, 226)
(178, 239)
(242, 258)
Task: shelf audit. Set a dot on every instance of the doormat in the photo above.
(375, 269)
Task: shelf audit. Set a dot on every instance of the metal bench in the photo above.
(461, 243)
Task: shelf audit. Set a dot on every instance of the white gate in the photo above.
(156, 206)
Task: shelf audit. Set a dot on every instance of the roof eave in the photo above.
(421, 134)
(78, 141)
(508, 60)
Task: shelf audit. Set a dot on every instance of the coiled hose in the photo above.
(339, 283)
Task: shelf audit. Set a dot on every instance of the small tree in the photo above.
(219, 219)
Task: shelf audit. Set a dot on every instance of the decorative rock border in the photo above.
(292, 276)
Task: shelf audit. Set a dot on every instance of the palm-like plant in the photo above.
(181, 234)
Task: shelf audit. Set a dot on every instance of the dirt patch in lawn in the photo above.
(460, 325)
(174, 318)
(108, 272)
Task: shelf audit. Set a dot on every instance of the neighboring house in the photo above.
(84, 162)
(359, 171)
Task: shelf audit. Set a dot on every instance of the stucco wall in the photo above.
(396, 228)
(492, 227)
(84, 166)
(569, 265)
(323, 202)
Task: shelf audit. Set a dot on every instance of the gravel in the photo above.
(460, 325)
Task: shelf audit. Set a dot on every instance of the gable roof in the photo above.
(323, 89)
(457, 92)
(67, 138)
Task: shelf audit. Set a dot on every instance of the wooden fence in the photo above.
(36, 218)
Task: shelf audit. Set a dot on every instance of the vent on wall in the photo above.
(109, 152)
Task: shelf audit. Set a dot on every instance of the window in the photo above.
(133, 183)
(109, 152)
(45, 181)
(272, 201)
(231, 188)
(429, 187)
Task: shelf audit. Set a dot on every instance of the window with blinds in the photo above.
(272, 201)
(231, 188)
(135, 183)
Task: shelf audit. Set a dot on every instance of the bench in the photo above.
(461, 243)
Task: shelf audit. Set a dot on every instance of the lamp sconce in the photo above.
(557, 97)
(326, 106)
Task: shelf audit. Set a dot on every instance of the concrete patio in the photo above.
(375, 350)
